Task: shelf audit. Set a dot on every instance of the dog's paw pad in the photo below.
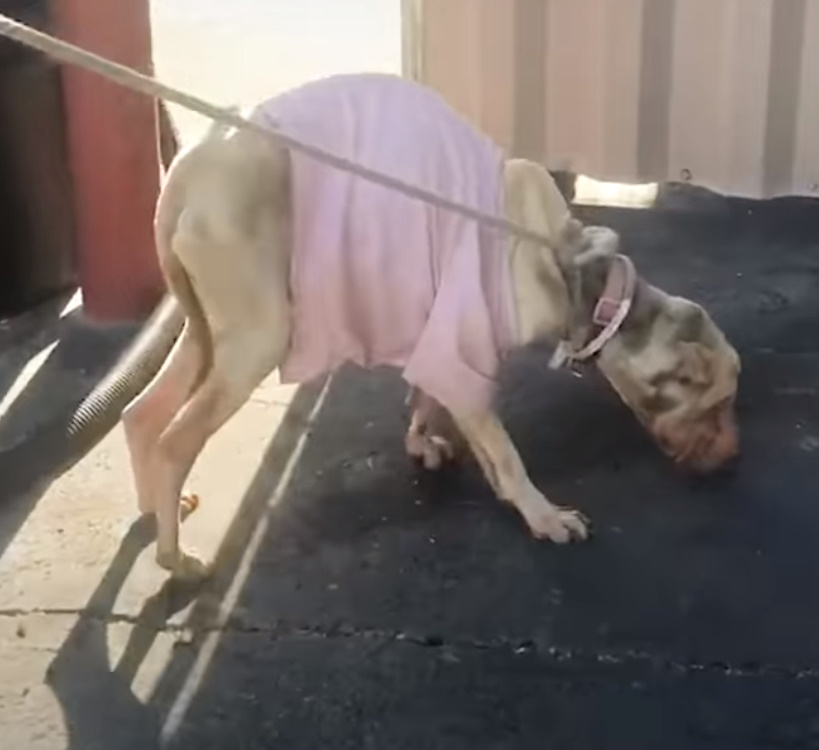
(188, 503)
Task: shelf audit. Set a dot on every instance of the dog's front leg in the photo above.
(505, 472)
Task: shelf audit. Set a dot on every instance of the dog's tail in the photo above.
(170, 236)
(180, 284)
(219, 129)
(178, 280)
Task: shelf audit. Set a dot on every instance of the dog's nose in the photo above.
(722, 457)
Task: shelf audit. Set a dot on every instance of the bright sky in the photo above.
(240, 51)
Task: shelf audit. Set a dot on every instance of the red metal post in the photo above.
(114, 159)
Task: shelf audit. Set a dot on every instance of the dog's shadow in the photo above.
(100, 708)
(98, 703)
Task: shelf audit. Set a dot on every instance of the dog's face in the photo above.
(675, 369)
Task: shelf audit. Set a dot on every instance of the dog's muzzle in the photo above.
(704, 445)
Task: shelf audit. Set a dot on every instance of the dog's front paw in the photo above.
(433, 451)
(184, 567)
(560, 525)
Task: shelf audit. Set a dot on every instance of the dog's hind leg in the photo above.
(228, 261)
(243, 288)
(147, 416)
(241, 360)
(432, 437)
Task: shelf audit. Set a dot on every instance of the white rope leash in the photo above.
(131, 79)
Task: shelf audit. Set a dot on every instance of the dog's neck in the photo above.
(540, 294)
(555, 301)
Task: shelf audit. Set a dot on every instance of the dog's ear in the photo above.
(596, 242)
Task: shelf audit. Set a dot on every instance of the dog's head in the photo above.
(668, 361)
(675, 369)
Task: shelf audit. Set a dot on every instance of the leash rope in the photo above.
(149, 86)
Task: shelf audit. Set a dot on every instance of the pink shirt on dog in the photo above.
(378, 278)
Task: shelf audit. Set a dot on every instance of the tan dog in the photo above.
(223, 236)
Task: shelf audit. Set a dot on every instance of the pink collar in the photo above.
(611, 310)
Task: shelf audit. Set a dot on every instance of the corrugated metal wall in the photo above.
(724, 93)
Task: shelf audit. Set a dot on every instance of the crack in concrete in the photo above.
(191, 633)
(112, 618)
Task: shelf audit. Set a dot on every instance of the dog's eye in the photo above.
(656, 402)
